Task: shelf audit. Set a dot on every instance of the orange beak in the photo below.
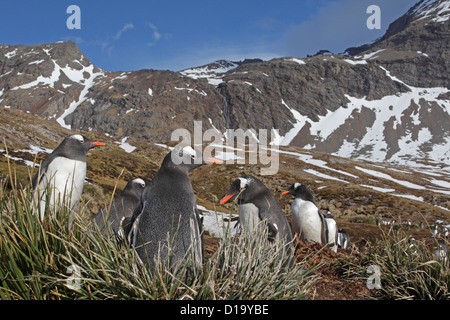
(213, 161)
(97, 143)
(226, 199)
(285, 192)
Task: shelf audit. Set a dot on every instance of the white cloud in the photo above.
(156, 35)
(126, 27)
(107, 44)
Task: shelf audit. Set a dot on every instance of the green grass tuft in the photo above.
(45, 260)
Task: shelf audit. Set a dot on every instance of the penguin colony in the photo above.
(150, 215)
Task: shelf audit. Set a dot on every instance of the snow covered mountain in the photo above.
(389, 102)
(214, 72)
(385, 101)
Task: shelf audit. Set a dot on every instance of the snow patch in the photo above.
(355, 62)
(11, 54)
(126, 146)
(296, 60)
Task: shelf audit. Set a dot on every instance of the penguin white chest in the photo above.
(306, 221)
(248, 216)
(66, 179)
(332, 233)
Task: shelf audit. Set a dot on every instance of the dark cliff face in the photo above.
(371, 105)
(313, 87)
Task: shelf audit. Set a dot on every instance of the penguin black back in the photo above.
(118, 215)
(253, 195)
(167, 210)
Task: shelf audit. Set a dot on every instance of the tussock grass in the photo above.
(409, 270)
(42, 260)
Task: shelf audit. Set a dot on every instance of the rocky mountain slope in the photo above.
(388, 101)
(357, 192)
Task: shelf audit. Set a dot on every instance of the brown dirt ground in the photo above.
(332, 283)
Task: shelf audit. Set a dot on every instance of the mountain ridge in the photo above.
(372, 105)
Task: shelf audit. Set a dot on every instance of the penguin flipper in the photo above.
(273, 231)
(324, 229)
(42, 171)
(38, 176)
(200, 227)
(133, 223)
(272, 227)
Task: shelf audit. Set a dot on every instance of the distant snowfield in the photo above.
(384, 109)
(126, 146)
(74, 75)
(441, 11)
(33, 150)
(212, 75)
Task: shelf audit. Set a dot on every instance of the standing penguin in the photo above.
(441, 251)
(307, 221)
(63, 173)
(167, 211)
(332, 230)
(256, 203)
(343, 239)
(117, 216)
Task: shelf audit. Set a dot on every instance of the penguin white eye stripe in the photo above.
(140, 181)
(244, 182)
(296, 185)
(190, 151)
(78, 137)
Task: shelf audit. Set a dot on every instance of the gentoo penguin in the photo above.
(436, 233)
(343, 239)
(332, 230)
(167, 211)
(63, 173)
(307, 221)
(116, 218)
(255, 204)
(441, 251)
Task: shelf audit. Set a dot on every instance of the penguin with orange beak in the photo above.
(63, 174)
(256, 203)
(167, 211)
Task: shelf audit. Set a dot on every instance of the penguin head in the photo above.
(442, 245)
(300, 190)
(187, 158)
(135, 187)
(243, 189)
(76, 146)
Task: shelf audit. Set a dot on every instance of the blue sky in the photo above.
(174, 35)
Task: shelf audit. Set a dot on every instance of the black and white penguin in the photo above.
(116, 217)
(332, 230)
(441, 251)
(63, 174)
(343, 239)
(256, 203)
(307, 220)
(167, 211)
